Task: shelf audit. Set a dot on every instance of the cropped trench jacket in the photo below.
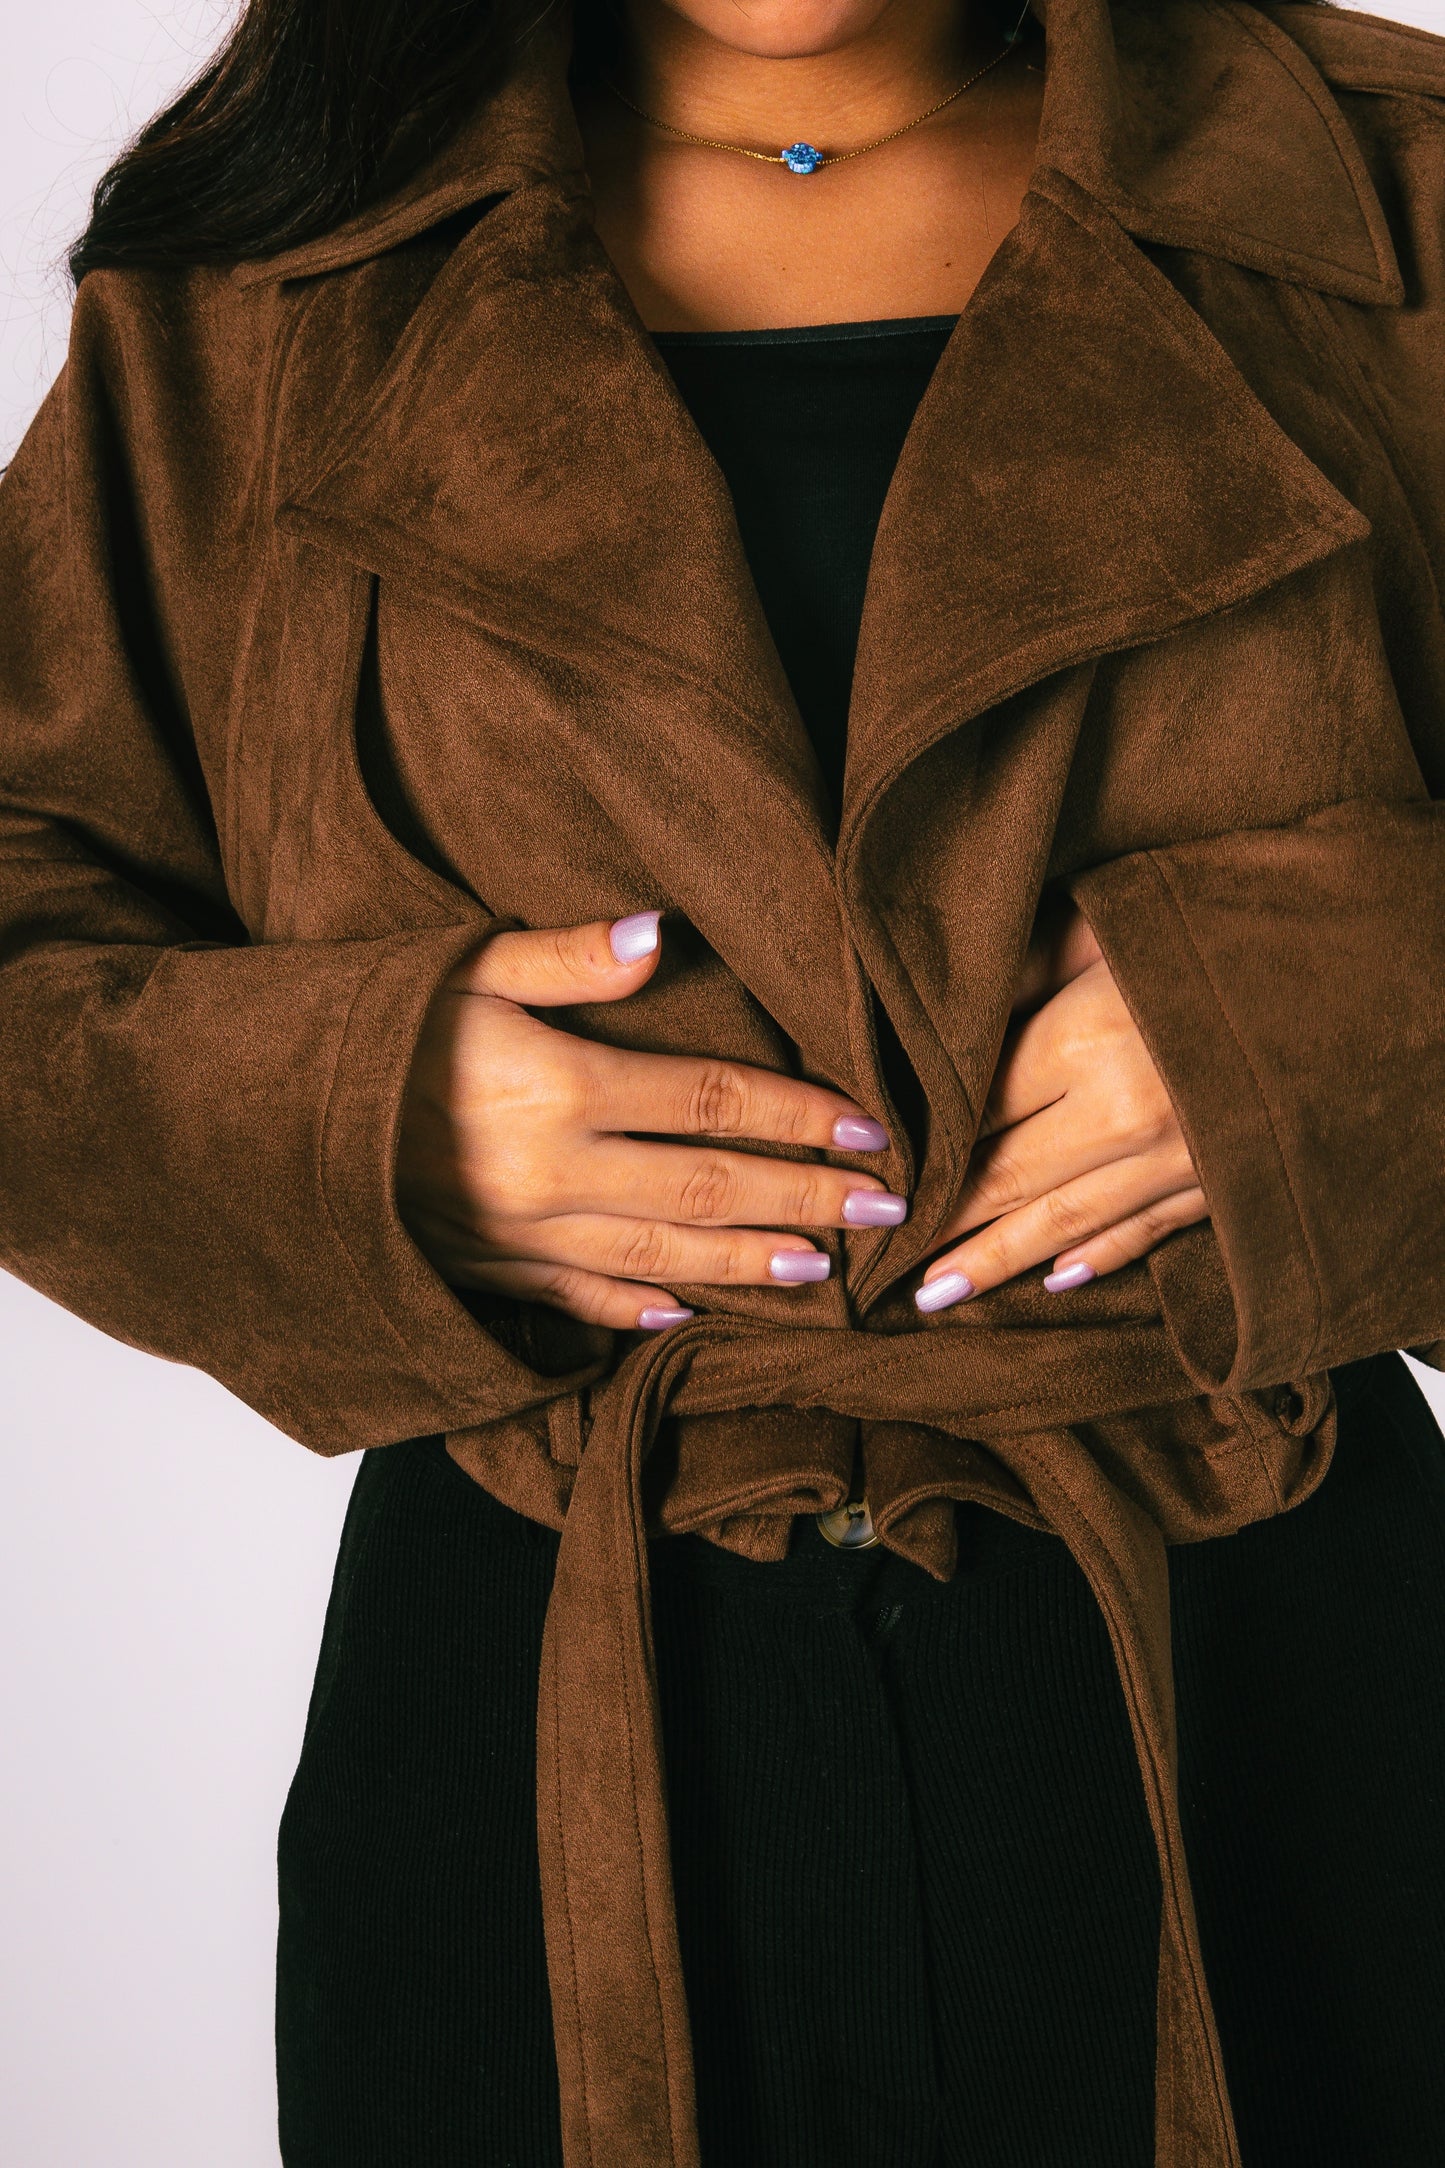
(361, 601)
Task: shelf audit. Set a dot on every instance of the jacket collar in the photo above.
(1196, 123)
(1200, 124)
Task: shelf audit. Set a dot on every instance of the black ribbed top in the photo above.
(807, 425)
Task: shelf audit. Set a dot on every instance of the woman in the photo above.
(721, 750)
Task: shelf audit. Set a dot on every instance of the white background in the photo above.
(164, 1555)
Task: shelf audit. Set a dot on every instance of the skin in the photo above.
(705, 241)
(523, 1163)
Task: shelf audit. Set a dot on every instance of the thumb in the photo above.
(604, 961)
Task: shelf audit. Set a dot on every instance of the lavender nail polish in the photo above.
(1059, 1283)
(633, 938)
(874, 1208)
(942, 1293)
(856, 1133)
(659, 1315)
(794, 1268)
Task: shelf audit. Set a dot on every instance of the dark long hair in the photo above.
(310, 108)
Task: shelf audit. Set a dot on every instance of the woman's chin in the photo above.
(783, 29)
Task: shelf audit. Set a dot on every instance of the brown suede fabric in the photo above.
(363, 601)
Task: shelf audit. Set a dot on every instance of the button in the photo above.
(849, 1527)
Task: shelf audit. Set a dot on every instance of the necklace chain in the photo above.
(814, 158)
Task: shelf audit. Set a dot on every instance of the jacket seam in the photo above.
(1316, 1285)
(434, 1377)
(261, 528)
(559, 1825)
(665, 1369)
(635, 1830)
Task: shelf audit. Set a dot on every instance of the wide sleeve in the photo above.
(1290, 985)
(197, 1133)
(1290, 981)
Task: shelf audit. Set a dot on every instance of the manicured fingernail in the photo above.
(633, 938)
(659, 1315)
(794, 1267)
(1059, 1283)
(942, 1293)
(855, 1133)
(874, 1208)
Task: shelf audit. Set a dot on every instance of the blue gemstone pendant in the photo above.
(801, 158)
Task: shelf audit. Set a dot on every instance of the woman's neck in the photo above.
(707, 240)
(910, 56)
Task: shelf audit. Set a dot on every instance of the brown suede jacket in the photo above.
(363, 600)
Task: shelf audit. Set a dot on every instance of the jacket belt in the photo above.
(619, 2006)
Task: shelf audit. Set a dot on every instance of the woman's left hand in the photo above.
(1081, 1160)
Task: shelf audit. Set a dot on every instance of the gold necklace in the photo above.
(806, 158)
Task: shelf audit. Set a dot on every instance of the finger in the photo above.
(1131, 1239)
(1029, 1076)
(1053, 1148)
(590, 1296)
(604, 961)
(696, 1095)
(692, 1186)
(1082, 1034)
(1061, 1222)
(644, 1250)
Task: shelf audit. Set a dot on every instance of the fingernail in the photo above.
(942, 1293)
(1059, 1283)
(633, 938)
(874, 1208)
(659, 1315)
(794, 1267)
(855, 1133)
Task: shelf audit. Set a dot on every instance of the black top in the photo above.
(807, 426)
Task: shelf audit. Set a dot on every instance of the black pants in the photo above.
(916, 1886)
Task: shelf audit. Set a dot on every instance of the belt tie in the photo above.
(620, 2011)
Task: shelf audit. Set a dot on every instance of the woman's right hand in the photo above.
(523, 1165)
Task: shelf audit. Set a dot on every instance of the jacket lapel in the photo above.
(1087, 472)
(527, 462)
(1200, 124)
